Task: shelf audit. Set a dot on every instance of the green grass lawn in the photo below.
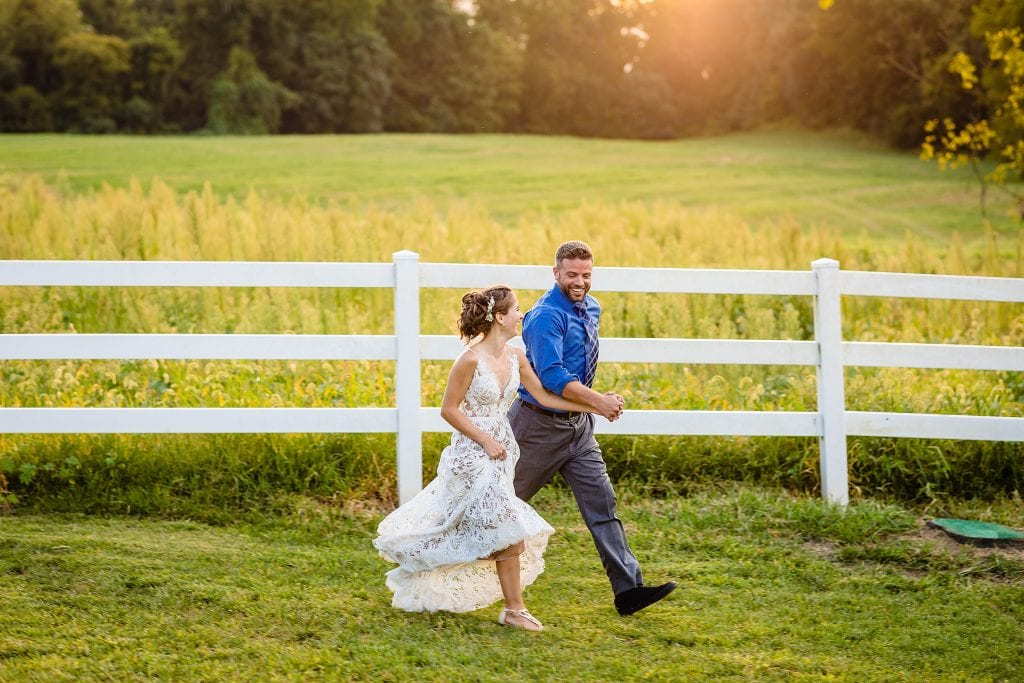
(772, 587)
(834, 180)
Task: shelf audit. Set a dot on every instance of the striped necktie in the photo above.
(590, 335)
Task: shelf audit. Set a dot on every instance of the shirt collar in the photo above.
(559, 297)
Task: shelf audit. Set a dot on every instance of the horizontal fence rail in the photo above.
(831, 423)
(197, 346)
(197, 420)
(195, 274)
(917, 286)
(443, 347)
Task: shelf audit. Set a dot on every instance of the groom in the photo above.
(560, 333)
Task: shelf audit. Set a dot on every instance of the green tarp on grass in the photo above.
(968, 529)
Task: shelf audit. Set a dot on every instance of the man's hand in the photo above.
(610, 406)
(622, 403)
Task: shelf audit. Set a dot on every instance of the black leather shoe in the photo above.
(635, 599)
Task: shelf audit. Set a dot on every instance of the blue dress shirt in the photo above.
(555, 341)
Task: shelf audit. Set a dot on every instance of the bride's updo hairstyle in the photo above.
(479, 308)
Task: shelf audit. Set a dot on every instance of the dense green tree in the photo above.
(10, 65)
(878, 65)
(452, 73)
(994, 129)
(25, 110)
(575, 59)
(111, 17)
(32, 29)
(1000, 73)
(369, 83)
(93, 68)
(244, 100)
(206, 31)
(625, 68)
(328, 53)
(724, 62)
(155, 59)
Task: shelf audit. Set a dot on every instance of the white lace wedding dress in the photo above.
(438, 538)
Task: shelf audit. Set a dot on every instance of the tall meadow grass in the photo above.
(204, 475)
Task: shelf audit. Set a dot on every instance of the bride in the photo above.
(466, 540)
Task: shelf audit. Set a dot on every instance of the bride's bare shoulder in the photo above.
(467, 359)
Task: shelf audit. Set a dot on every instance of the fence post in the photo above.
(407, 374)
(828, 332)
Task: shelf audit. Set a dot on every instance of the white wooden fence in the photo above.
(831, 423)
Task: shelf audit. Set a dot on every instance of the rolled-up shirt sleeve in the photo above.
(544, 333)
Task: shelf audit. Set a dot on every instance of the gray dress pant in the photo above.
(567, 445)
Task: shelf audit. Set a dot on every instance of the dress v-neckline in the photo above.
(502, 387)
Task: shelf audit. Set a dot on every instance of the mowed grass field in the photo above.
(772, 588)
(248, 557)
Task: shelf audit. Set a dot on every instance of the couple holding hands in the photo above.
(469, 538)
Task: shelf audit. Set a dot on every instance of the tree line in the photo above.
(609, 68)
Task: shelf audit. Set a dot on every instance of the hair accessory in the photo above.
(490, 310)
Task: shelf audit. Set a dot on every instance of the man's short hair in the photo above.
(574, 249)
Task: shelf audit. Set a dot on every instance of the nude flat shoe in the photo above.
(528, 623)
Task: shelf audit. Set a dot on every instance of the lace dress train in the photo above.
(440, 538)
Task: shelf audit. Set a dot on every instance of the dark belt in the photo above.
(550, 413)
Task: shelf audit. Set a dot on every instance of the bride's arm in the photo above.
(533, 385)
(459, 379)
